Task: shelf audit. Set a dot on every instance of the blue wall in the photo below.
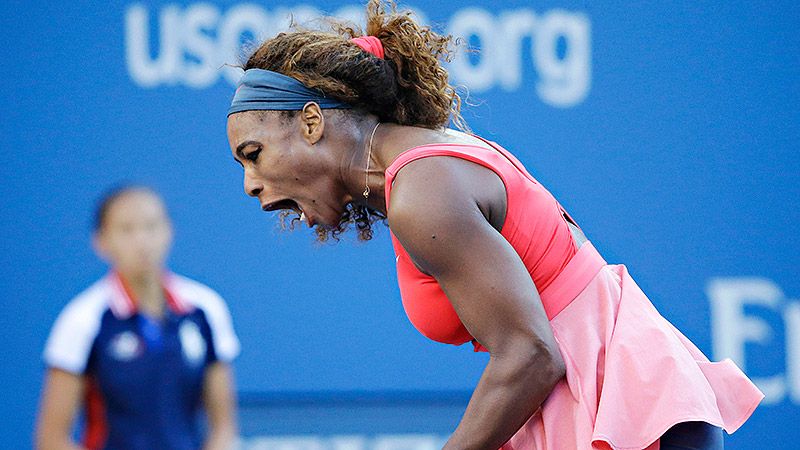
(669, 130)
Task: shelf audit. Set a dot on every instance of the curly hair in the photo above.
(408, 87)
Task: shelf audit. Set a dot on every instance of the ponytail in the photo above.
(409, 86)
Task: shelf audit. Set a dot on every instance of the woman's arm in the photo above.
(436, 213)
(220, 404)
(61, 398)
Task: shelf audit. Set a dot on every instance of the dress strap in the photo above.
(495, 161)
(516, 163)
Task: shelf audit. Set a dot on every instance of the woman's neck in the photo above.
(390, 141)
(148, 291)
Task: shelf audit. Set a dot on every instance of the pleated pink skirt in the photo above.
(631, 375)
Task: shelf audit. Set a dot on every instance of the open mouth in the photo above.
(284, 204)
(287, 206)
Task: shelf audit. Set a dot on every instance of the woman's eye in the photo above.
(252, 156)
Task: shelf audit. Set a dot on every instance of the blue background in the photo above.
(681, 161)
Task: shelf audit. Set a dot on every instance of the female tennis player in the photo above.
(142, 350)
(346, 129)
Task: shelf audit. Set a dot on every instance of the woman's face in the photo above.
(287, 164)
(135, 235)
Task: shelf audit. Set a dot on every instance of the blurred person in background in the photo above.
(142, 350)
(344, 129)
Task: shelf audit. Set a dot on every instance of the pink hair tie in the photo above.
(369, 44)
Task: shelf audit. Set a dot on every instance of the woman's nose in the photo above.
(252, 187)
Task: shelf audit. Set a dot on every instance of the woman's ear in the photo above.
(312, 123)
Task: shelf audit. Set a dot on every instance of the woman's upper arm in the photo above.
(219, 397)
(61, 397)
(435, 215)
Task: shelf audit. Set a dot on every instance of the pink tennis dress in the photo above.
(630, 374)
